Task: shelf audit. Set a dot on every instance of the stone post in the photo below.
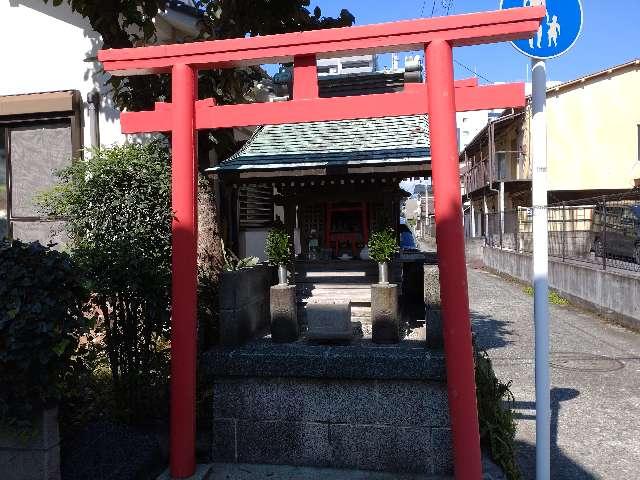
(433, 313)
(385, 316)
(34, 458)
(284, 315)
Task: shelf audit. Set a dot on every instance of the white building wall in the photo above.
(469, 124)
(46, 48)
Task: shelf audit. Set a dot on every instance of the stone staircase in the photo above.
(339, 280)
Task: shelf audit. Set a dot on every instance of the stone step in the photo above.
(252, 471)
(367, 280)
(359, 312)
(332, 286)
(337, 264)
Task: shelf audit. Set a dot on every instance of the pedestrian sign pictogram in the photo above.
(558, 31)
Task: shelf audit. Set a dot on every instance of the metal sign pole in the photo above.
(556, 35)
(540, 266)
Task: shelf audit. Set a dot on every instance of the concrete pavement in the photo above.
(595, 379)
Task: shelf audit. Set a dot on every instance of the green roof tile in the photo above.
(370, 141)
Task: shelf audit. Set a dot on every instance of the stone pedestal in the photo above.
(37, 458)
(385, 315)
(329, 321)
(243, 297)
(433, 312)
(284, 316)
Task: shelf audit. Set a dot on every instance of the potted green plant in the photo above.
(383, 244)
(278, 250)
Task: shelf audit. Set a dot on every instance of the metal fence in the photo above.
(603, 231)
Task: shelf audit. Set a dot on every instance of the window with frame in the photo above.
(38, 136)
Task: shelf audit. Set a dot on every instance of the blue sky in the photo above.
(609, 36)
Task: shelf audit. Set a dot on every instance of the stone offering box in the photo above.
(360, 406)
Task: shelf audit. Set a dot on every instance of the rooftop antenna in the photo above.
(394, 62)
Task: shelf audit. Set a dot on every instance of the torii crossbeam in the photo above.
(439, 96)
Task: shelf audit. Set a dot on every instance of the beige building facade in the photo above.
(593, 148)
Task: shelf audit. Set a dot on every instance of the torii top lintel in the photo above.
(304, 48)
(458, 30)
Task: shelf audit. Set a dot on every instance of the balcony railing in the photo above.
(506, 166)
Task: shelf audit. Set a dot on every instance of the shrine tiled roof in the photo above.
(372, 141)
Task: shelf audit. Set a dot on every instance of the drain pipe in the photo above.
(93, 103)
(492, 157)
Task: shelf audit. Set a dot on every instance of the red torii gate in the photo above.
(440, 97)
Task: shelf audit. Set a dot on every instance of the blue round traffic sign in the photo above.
(558, 32)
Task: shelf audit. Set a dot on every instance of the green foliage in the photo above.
(117, 206)
(128, 23)
(232, 263)
(495, 414)
(210, 264)
(554, 297)
(383, 244)
(41, 319)
(278, 247)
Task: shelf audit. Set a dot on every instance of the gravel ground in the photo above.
(595, 381)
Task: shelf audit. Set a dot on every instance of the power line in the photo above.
(449, 4)
(472, 71)
(448, 8)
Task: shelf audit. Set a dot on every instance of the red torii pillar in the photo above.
(440, 99)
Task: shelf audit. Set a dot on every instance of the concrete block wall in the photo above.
(384, 425)
(357, 406)
(614, 295)
(35, 458)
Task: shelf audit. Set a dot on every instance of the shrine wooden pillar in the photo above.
(290, 224)
(451, 261)
(184, 268)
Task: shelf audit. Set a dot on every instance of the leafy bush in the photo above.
(554, 297)
(495, 414)
(210, 264)
(232, 263)
(118, 210)
(278, 247)
(41, 320)
(382, 245)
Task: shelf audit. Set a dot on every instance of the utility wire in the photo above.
(472, 71)
(449, 4)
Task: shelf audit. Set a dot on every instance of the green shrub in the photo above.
(382, 245)
(118, 210)
(210, 264)
(554, 297)
(41, 319)
(278, 247)
(495, 415)
(232, 263)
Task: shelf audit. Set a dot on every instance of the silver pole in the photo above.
(540, 266)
